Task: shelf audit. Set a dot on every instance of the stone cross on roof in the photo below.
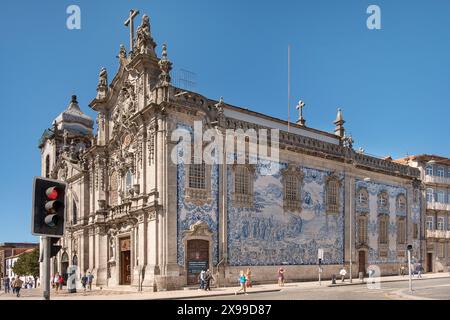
(129, 22)
(301, 121)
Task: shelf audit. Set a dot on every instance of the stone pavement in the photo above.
(114, 294)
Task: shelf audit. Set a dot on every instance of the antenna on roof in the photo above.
(289, 87)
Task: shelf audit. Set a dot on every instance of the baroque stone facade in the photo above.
(135, 217)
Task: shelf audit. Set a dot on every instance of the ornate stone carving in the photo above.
(165, 66)
(102, 86)
(145, 43)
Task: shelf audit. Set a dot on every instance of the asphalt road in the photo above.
(423, 288)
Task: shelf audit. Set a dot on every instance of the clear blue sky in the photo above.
(393, 84)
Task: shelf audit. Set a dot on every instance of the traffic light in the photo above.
(54, 249)
(49, 199)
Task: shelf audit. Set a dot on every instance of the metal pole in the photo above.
(45, 281)
(320, 282)
(351, 230)
(409, 270)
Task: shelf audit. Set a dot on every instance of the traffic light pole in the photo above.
(45, 281)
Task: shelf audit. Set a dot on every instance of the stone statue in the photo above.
(144, 39)
(112, 246)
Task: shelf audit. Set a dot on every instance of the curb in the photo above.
(215, 295)
(383, 281)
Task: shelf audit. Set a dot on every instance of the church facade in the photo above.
(135, 217)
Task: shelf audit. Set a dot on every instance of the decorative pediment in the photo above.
(199, 228)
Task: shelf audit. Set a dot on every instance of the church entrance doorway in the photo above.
(362, 262)
(125, 261)
(197, 259)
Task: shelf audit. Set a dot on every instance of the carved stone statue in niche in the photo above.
(112, 248)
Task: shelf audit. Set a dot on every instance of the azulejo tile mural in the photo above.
(267, 235)
(188, 214)
(374, 189)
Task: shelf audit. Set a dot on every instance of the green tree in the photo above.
(28, 265)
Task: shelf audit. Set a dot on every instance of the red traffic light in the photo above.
(52, 193)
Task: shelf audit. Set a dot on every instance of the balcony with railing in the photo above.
(436, 179)
(434, 205)
(438, 234)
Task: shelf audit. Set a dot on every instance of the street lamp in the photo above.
(409, 267)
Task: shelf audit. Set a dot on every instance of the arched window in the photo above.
(47, 166)
(128, 182)
(363, 197)
(383, 202)
(332, 195)
(74, 212)
(401, 203)
(113, 195)
(75, 260)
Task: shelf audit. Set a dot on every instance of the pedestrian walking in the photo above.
(90, 279)
(248, 274)
(56, 281)
(11, 284)
(17, 286)
(201, 279)
(242, 280)
(281, 277)
(343, 273)
(208, 279)
(84, 281)
(6, 284)
(402, 270)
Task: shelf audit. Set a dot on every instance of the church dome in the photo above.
(74, 121)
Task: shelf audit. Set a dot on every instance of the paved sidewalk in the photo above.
(106, 294)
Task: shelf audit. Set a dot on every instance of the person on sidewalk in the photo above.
(90, 279)
(242, 281)
(208, 279)
(281, 277)
(402, 270)
(17, 286)
(201, 279)
(249, 278)
(6, 284)
(56, 281)
(343, 273)
(84, 281)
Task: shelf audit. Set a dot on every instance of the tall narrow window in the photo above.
(362, 230)
(332, 195)
(243, 186)
(363, 197)
(429, 195)
(292, 180)
(440, 223)
(440, 196)
(440, 172)
(47, 166)
(401, 231)
(429, 223)
(197, 176)
(383, 229)
(415, 231)
(429, 170)
(74, 212)
(128, 182)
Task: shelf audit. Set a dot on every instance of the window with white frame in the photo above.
(429, 223)
(440, 223)
(363, 197)
(401, 202)
(441, 196)
(440, 172)
(383, 200)
(429, 170)
(429, 195)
